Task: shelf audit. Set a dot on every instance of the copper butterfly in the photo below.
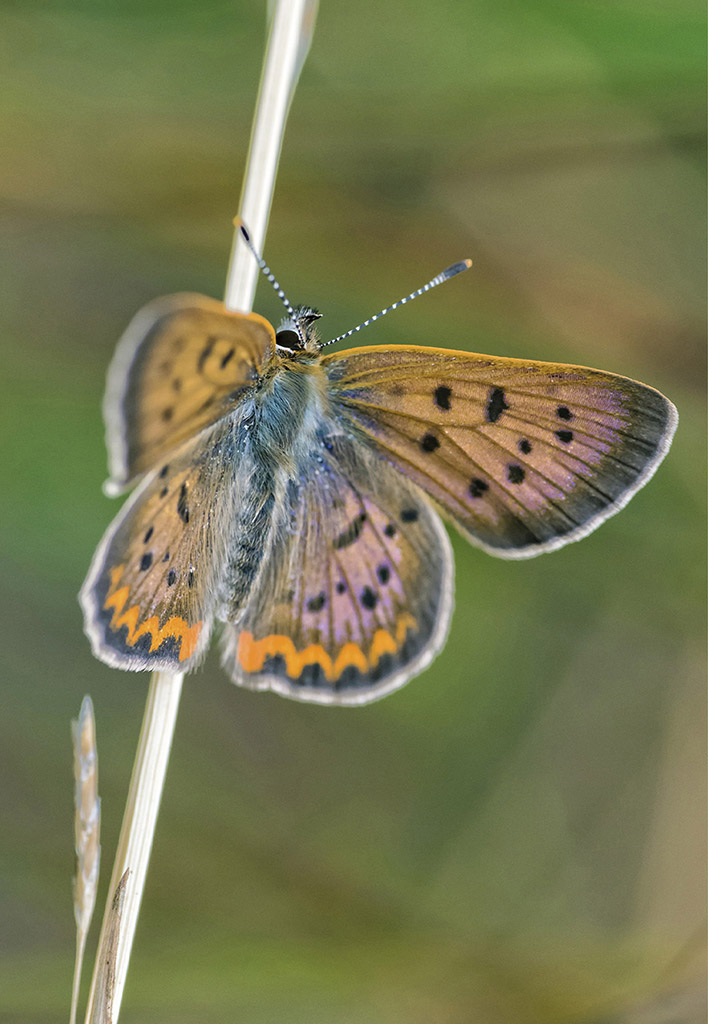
(294, 497)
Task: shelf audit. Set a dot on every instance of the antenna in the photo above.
(268, 273)
(445, 275)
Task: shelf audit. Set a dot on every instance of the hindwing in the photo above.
(151, 591)
(355, 594)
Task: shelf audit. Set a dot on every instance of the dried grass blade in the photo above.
(107, 956)
(87, 825)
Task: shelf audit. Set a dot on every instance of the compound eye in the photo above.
(288, 339)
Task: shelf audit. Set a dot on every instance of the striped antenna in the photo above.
(268, 273)
(445, 275)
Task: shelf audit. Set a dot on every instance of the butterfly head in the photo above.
(298, 333)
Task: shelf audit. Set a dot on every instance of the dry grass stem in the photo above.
(291, 29)
(107, 957)
(136, 836)
(87, 826)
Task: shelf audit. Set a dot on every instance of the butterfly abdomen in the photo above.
(251, 529)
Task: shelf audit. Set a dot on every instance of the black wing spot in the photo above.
(390, 530)
(409, 515)
(227, 358)
(163, 492)
(384, 574)
(566, 436)
(190, 578)
(182, 508)
(163, 472)
(515, 474)
(205, 353)
(167, 414)
(564, 413)
(341, 587)
(171, 577)
(148, 535)
(316, 604)
(496, 404)
(441, 397)
(348, 536)
(369, 598)
(177, 384)
(525, 447)
(146, 561)
(478, 487)
(205, 404)
(429, 443)
(167, 557)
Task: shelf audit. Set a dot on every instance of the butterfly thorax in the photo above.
(291, 400)
(287, 408)
(278, 434)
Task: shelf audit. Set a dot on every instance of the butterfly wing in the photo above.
(356, 590)
(183, 362)
(524, 456)
(149, 595)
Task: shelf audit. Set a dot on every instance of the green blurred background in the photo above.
(517, 836)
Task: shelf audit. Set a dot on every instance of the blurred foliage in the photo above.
(517, 836)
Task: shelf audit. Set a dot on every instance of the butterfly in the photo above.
(293, 498)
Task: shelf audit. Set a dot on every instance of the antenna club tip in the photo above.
(456, 268)
(241, 228)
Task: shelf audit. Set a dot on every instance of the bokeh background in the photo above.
(517, 836)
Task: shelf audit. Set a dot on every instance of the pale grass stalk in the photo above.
(87, 829)
(107, 956)
(288, 41)
(136, 835)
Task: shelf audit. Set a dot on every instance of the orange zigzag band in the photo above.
(252, 653)
(175, 627)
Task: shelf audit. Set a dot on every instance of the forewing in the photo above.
(183, 363)
(524, 456)
(356, 591)
(149, 596)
